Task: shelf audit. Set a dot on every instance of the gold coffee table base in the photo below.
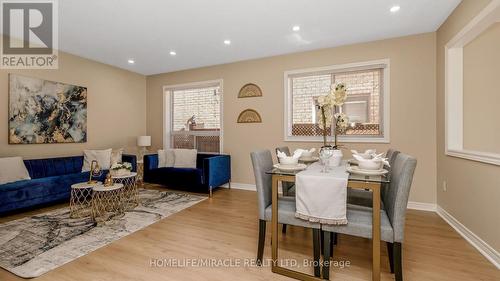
(107, 202)
(130, 191)
(80, 202)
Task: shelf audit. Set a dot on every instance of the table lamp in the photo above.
(143, 142)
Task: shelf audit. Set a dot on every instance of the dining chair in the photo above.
(287, 188)
(262, 162)
(392, 216)
(364, 197)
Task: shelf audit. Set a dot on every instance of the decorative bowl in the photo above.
(307, 154)
(371, 164)
(288, 160)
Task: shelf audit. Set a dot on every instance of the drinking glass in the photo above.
(325, 154)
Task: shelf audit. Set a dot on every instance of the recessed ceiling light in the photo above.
(131, 61)
(395, 9)
(227, 42)
(173, 53)
(296, 28)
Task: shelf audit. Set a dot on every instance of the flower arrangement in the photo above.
(121, 169)
(328, 111)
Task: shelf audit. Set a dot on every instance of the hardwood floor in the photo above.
(226, 228)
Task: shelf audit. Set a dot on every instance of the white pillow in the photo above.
(185, 158)
(161, 158)
(103, 157)
(12, 169)
(116, 156)
(166, 158)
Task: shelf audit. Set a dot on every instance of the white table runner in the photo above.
(322, 197)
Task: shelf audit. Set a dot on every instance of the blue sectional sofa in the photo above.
(51, 181)
(212, 171)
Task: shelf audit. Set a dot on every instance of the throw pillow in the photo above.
(185, 158)
(161, 158)
(166, 158)
(169, 158)
(12, 169)
(116, 156)
(103, 157)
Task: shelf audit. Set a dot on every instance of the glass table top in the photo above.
(352, 176)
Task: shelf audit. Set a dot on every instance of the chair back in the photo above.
(262, 162)
(396, 195)
(391, 157)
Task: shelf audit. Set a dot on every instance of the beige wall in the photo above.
(473, 190)
(116, 107)
(413, 100)
(482, 92)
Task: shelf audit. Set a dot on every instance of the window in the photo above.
(367, 104)
(194, 118)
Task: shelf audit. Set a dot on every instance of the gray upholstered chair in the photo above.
(262, 162)
(392, 217)
(288, 188)
(363, 197)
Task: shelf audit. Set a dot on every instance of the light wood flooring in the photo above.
(226, 228)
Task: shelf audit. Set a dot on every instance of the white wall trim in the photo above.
(454, 86)
(421, 206)
(242, 186)
(486, 250)
(366, 65)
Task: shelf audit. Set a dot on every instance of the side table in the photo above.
(80, 202)
(107, 201)
(130, 192)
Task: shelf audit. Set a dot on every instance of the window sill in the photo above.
(343, 139)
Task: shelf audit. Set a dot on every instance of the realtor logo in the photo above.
(29, 38)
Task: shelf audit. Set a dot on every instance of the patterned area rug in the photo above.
(32, 246)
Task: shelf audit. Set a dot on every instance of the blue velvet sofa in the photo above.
(212, 171)
(51, 181)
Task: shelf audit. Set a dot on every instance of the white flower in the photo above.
(341, 121)
(119, 166)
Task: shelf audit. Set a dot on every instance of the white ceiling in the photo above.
(113, 31)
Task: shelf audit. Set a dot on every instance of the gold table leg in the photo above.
(274, 234)
(376, 233)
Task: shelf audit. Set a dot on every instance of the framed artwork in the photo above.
(42, 111)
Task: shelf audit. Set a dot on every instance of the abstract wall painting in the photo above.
(42, 111)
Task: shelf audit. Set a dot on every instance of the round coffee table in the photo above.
(80, 202)
(130, 192)
(107, 201)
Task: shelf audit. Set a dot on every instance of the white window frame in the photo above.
(454, 108)
(332, 69)
(168, 112)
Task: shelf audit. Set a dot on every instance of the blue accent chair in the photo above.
(51, 181)
(212, 171)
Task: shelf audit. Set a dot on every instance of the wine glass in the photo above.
(325, 154)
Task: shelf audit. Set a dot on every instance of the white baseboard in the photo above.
(242, 186)
(430, 207)
(486, 250)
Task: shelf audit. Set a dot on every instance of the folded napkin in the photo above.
(377, 158)
(322, 197)
(281, 154)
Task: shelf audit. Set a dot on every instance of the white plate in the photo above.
(356, 170)
(297, 167)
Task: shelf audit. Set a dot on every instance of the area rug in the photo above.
(32, 246)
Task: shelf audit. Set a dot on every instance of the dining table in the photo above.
(371, 183)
